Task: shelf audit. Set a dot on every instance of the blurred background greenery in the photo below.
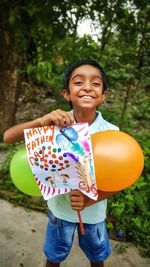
(38, 40)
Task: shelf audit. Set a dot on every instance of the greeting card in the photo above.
(61, 159)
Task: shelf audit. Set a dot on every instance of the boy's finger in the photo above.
(75, 192)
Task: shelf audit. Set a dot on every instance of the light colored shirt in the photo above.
(60, 205)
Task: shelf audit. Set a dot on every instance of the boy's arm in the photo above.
(16, 133)
(57, 117)
(79, 201)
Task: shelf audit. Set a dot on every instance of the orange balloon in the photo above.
(118, 160)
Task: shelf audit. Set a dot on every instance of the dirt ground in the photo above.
(21, 240)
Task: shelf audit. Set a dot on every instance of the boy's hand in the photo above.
(79, 201)
(57, 117)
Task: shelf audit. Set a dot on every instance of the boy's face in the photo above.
(85, 88)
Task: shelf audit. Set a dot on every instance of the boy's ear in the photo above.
(104, 96)
(66, 94)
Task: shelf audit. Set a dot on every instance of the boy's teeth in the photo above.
(87, 97)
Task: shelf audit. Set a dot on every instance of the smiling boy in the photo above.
(85, 90)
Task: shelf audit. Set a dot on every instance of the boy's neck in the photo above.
(88, 117)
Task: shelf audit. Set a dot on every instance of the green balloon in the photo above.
(21, 173)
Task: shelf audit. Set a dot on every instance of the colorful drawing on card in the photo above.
(61, 159)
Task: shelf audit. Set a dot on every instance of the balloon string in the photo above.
(81, 223)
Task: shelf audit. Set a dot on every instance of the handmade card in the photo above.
(61, 159)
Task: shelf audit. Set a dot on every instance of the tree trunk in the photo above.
(10, 65)
(9, 80)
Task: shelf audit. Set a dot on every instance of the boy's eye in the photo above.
(78, 82)
(96, 84)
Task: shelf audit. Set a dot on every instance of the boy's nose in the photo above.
(87, 86)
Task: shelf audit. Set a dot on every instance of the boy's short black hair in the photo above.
(79, 63)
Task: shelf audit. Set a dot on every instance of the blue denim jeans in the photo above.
(59, 239)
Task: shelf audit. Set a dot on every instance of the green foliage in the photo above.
(9, 150)
(42, 71)
(43, 36)
(121, 248)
